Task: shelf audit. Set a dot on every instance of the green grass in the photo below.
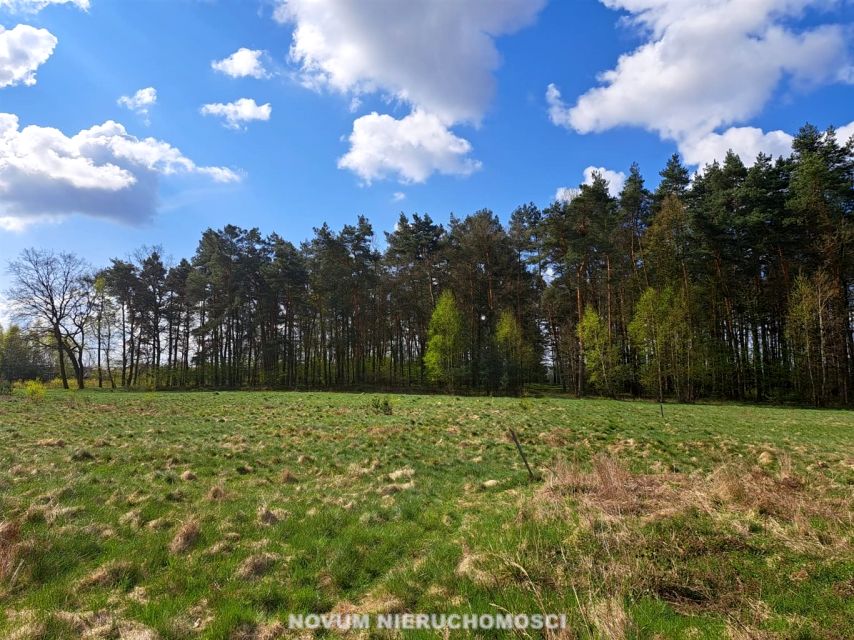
(712, 522)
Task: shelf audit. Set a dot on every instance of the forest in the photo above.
(734, 283)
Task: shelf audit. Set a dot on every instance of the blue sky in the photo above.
(380, 106)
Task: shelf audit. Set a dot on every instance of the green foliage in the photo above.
(5, 387)
(382, 405)
(601, 354)
(662, 334)
(516, 354)
(444, 345)
(35, 390)
(808, 327)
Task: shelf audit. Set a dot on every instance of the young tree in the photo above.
(445, 341)
(600, 354)
(811, 305)
(515, 353)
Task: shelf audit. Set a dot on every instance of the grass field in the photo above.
(214, 515)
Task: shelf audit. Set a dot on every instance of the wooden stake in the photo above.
(521, 453)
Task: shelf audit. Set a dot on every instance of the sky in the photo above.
(129, 123)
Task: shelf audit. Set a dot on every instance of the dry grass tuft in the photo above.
(132, 518)
(400, 474)
(269, 516)
(737, 631)
(288, 477)
(609, 488)
(188, 475)
(50, 442)
(391, 489)
(610, 619)
(216, 493)
(159, 524)
(197, 618)
(271, 631)
(31, 630)
(10, 539)
(91, 625)
(186, 537)
(265, 631)
(470, 567)
(82, 455)
(256, 566)
(612, 490)
(107, 575)
(380, 602)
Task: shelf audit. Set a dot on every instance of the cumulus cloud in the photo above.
(845, 132)
(566, 194)
(140, 102)
(558, 109)
(707, 66)
(412, 148)
(34, 6)
(243, 63)
(615, 179)
(23, 49)
(435, 56)
(746, 142)
(236, 114)
(103, 172)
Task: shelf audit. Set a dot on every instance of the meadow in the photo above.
(215, 515)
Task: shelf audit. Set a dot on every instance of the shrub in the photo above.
(56, 383)
(381, 405)
(5, 387)
(35, 390)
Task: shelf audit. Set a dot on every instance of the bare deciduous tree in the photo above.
(50, 292)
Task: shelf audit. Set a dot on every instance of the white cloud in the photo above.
(616, 179)
(435, 56)
(102, 172)
(140, 102)
(746, 142)
(243, 63)
(558, 110)
(413, 148)
(845, 132)
(706, 66)
(236, 114)
(398, 196)
(34, 6)
(23, 49)
(566, 194)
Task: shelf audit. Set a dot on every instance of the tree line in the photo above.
(736, 283)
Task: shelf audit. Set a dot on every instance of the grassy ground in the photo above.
(185, 515)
